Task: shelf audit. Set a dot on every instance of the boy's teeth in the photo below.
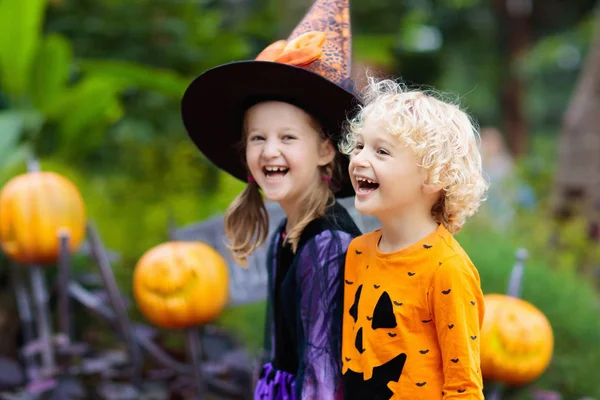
(364, 180)
(275, 169)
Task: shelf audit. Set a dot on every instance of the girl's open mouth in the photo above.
(275, 172)
(365, 185)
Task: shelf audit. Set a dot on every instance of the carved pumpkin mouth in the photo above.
(175, 282)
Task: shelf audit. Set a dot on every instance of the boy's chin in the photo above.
(365, 208)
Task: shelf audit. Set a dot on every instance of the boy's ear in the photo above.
(431, 188)
(326, 152)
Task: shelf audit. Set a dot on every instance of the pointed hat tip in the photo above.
(333, 18)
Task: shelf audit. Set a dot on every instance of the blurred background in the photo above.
(92, 89)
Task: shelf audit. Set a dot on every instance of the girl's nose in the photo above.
(271, 149)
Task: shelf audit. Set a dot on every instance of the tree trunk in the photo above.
(515, 15)
(577, 186)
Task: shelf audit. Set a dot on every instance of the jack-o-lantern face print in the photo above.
(411, 321)
(373, 384)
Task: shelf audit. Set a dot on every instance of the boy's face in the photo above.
(284, 151)
(386, 174)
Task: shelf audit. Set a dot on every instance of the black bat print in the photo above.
(424, 351)
(461, 390)
(426, 321)
(376, 286)
(446, 291)
(454, 360)
(411, 274)
(348, 282)
(347, 359)
(390, 334)
(473, 337)
(358, 252)
(369, 318)
(397, 304)
(450, 326)
(472, 302)
(421, 384)
(427, 246)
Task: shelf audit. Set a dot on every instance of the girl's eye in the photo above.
(256, 138)
(383, 152)
(359, 146)
(288, 137)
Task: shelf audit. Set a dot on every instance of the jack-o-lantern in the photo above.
(34, 208)
(516, 340)
(181, 284)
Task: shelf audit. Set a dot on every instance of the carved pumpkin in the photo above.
(34, 207)
(181, 284)
(516, 340)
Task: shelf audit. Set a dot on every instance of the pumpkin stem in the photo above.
(33, 164)
(515, 282)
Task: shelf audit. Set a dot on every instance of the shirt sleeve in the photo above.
(321, 308)
(457, 307)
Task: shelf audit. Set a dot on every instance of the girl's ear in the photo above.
(326, 152)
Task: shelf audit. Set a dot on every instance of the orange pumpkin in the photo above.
(181, 284)
(516, 340)
(34, 208)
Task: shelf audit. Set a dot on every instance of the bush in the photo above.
(567, 299)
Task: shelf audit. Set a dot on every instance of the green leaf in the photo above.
(12, 125)
(133, 75)
(81, 96)
(21, 23)
(82, 109)
(51, 70)
(375, 48)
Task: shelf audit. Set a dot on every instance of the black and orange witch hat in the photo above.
(310, 70)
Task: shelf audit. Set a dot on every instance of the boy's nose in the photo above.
(359, 160)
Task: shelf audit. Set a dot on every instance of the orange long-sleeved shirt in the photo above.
(411, 321)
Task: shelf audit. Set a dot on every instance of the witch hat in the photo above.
(311, 70)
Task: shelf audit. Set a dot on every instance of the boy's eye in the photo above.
(359, 146)
(256, 138)
(288, 137)
(382, 152)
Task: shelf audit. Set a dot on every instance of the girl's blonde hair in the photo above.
(444, 138)
(247, 220)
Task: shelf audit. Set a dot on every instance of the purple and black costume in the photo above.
(304, 311)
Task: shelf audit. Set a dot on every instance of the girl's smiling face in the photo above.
(284, 151)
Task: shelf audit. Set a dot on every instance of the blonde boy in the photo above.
(413, 305)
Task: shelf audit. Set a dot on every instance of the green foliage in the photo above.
(247, 324)
(568, 300)
(12, 152)
(21, 23)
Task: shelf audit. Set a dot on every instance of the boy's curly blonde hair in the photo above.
(443, 136)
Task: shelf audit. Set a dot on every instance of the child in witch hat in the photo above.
(274, 121)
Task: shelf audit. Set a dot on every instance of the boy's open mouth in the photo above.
(365, 185)
(275, 172)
